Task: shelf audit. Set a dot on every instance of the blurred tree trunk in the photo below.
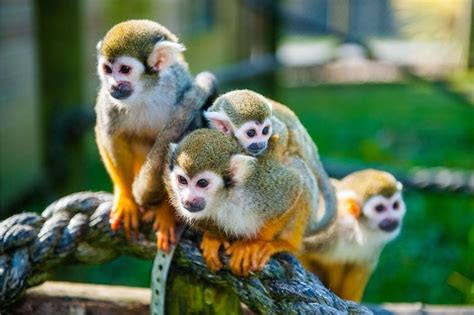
(58, 27)
(119, 11)
(470, 61)
(258, 35)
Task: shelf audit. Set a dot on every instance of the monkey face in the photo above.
(385, 214)
(194, 195)
(254, 136)
(121, 77)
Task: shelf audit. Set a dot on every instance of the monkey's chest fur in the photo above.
(142, 120)
(234, 219)
(355, 244)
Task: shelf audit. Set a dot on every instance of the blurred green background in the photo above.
(388, 84)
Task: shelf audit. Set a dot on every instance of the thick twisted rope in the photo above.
(75, 229)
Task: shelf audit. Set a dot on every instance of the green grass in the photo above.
(400, 126)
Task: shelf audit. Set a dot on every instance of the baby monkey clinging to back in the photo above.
(252, 119)
(266, 204)
(245, 115)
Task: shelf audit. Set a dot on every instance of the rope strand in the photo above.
(76, 229)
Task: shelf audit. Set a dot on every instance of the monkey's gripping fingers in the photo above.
(125, 210)
(253, 255)
(210, 246)
(269, 248)
(164, 226)
(245, 256)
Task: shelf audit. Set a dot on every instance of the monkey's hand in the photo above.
(164, 224)
(248, 256)
(210, 246)
(125, 209)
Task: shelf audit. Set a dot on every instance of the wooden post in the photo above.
(58, 27)
(258, 35)
(186, 294)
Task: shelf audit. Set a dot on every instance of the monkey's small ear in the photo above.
(399, 186)
(219, 121)
(171, 155)
(350, 203)
(266, 101)
(98, 46)
(164, 53)
(270, 105)
(353, 207)
(241, 166)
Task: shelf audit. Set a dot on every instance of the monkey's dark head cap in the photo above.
(243, 106)
(206, 150)
(134, 38)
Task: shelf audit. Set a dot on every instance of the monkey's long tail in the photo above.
(159, 276)
(330, 201)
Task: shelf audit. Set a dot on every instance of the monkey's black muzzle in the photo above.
(121, 91)
(256, 148)
(388, 225)
(195, 206)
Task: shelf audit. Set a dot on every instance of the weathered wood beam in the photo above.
(79, 298)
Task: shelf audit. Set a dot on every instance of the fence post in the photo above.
(58, 27)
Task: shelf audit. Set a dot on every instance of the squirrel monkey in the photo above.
(147, 99)
(245, 115)
(260, 205)
(252, 119)
(370, 214)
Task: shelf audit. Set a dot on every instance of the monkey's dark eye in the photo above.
(265, 130)
(251, 133)
(107, 69)
(396, 205)
(203, 183)
(182, 180)
(380, 208)
(124, 69)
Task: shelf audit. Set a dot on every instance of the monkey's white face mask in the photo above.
(211, 197)
(253, 136)
(124, 77)
(385, 214)
(194, 196)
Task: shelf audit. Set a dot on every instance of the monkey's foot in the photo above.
(164, 226)
(125, 209)
(210, 251)
(253, 255)
(245, 256)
